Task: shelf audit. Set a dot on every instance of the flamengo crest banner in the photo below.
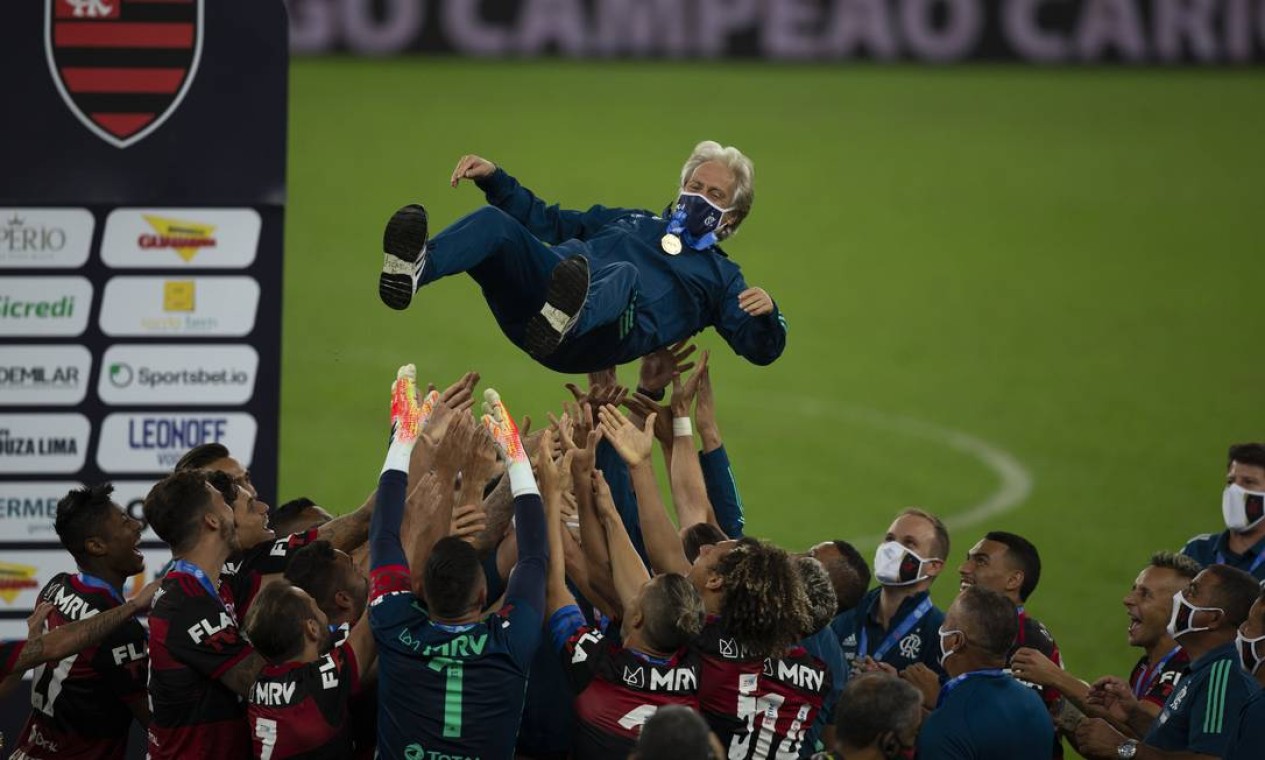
(123, 66)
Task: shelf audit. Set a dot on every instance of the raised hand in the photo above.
(632, 445)
(468, 521)
(549, 473)
(439, 409)
(35, 623)
(755, 302)
(471, 166)
(643, 407)
(683, 393)
(659, 368)
(455, 445)
(500, 425)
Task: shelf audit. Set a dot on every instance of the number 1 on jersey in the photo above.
(452, 694)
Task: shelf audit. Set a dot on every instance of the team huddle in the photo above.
(506, 593)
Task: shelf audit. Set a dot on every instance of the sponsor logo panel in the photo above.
(24, 573)
(185, 306)
(37, 306)
(130, 494)
(52, 238)
(154, 442)
(28, 509)
(44, 375)
(181, 237)
(37, 443)
(205, 375)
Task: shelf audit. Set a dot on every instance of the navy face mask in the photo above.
(695, 220)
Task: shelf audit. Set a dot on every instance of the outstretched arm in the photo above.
(388, 565)
(718, 475)
(663, 544)
(550, 224)
(689, 491)
(71, 638)
(627, 570)
(557, 595)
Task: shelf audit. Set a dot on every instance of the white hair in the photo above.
(744, 179)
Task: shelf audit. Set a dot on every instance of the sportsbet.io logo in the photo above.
(121, 375)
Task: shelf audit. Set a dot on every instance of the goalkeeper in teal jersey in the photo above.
(452, 679)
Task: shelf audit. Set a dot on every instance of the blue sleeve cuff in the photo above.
(563, 624)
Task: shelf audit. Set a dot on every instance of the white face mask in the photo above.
(1241, 508)
(1246, 648)
(1182, 620)
(945, 653)
(898, 565)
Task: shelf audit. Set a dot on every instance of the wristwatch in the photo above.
(1127, 750)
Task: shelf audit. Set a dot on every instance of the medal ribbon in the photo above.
(897, 633)
(93, 581)
(957, 681)
(1147, 678)
(184, 566)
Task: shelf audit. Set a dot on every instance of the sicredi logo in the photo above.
(148, 375)
(36, 443)
(53, 238)
(155, 442)
(44, 375)
(187, 306)
(200, 238)
(28, 509)
(38, 306)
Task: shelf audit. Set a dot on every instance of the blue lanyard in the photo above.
(1256, 563)
(184, 566)
(1147, 678)
(957, 681)
(93, 581)
(896, 634)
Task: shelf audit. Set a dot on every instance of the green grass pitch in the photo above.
(1001, 284)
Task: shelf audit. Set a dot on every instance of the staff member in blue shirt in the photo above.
(1202, 713)
(983, 713)
(584, 290)
(896, 623)
(1242, 543)
(1248, 743)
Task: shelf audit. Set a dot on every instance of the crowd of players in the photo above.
(504, 594)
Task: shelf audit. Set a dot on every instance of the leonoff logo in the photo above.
(122, 66)
(45, 237)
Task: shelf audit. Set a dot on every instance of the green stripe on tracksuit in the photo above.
(1214, 711)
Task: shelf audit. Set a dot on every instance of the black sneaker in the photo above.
(405, 244)
(568, 290)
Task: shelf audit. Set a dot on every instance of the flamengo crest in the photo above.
(123, 66)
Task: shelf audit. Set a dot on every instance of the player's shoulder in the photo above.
(1201, 547)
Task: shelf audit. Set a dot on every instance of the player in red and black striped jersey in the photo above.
(300, 706)
(201, 667)
(83, 705)
(263, 556)
(758, 691)
(617, 687)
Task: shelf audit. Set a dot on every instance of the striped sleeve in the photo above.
(1215, 712)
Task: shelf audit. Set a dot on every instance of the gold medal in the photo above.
(671, 244)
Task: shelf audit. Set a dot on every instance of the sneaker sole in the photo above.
(568, 290)
(404, 242)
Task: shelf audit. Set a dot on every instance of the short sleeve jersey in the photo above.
(244, 575)
(451, 690)
(1155, 684)
(987, 717)
(1202, 712)
(194, 640)
(300, 710)
(80, 704)
(912, 636)
(758, 707)
(616, 689)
